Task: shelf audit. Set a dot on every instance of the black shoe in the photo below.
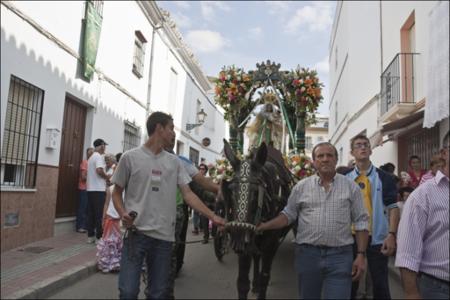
(205, 241)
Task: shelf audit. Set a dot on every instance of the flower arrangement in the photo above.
(232, 85)
(222, 169)
(300, 166)
(304, 89)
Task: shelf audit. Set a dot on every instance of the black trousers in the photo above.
(96, 201)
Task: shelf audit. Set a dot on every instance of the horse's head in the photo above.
(244, 195)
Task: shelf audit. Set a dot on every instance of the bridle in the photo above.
(245, 181)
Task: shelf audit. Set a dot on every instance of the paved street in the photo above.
(203, 277)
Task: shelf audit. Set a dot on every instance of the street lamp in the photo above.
(201, 115)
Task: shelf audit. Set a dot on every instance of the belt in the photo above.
(434, 278)
(324, 246)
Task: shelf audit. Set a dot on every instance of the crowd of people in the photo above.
(347, 218)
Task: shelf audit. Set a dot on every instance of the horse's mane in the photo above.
(275, 157)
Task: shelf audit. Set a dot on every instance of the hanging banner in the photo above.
(92, 30)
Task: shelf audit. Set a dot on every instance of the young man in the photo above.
(423, 237)
(82, 204)
(380, 193)
(325, 205)
(96, 190)
(150, 177)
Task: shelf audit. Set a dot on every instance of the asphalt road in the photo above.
(204, 277)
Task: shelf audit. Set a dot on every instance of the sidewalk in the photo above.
(36, 270)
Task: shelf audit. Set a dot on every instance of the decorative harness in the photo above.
(244, 189)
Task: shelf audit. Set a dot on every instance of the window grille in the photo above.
(309, 144)
(132, 136)
(194, 155)
(21, 135)
(139, 54)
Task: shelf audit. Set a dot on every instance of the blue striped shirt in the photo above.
(423, 233)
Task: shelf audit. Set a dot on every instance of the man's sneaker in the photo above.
(90, 240)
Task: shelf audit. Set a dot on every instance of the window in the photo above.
(335, 113)
(309, 144)
(173, 83)
(132, 136)
(335, 58)
(180, 147)
(139, 54)
(21, 137)
(194, 155)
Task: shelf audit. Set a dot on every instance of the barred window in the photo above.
(309, 143)
(21, 135)
(139, 54)
(132, 136)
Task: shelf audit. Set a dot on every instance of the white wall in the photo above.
(356, 33)
(32, 57)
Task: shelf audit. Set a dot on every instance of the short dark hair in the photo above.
(324, 144)
(204, 166)
(158, 117)
(414, 157)
(359, 137)
(118, 156)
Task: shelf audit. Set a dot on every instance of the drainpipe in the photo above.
(150, 75)
(381, 65)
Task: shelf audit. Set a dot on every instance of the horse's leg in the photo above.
(243, 282)
(256, 273)
(267, 257)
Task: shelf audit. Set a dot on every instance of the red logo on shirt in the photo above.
(156, 172)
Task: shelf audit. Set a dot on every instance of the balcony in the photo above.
(398, 87)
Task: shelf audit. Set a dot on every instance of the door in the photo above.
(72, 140)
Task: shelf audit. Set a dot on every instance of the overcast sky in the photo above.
(243, 33)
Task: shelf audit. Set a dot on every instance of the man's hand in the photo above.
(260, 227)
(219, 221)
(389, 244)
(127, 220)
(358, 268)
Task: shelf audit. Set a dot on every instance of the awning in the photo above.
(395, 128)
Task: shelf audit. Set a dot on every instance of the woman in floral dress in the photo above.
(109, 247)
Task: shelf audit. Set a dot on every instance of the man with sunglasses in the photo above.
(379, 194)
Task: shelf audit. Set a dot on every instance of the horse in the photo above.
(257, 192)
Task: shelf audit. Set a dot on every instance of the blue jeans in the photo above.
(431, 288)
(82, 210)
(324, 271)
(157, 254)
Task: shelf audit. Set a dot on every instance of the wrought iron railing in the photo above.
(398, 81)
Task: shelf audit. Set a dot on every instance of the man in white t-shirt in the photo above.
(150, 177)
(96, 190)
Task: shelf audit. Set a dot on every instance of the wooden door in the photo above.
(71, 154)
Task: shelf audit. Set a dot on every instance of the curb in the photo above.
(51, 285)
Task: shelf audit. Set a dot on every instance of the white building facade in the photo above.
(51, 112)
(316, 133)
(378, 56)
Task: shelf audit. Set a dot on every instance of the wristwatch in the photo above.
(361, 252)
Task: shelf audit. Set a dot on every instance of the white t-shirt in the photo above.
(94, 182)
(111, 211)
(150, 182)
